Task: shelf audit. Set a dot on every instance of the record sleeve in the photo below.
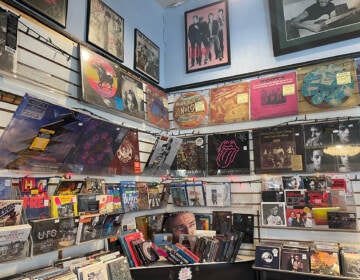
(129, 195)
(350, 264)
(157, 106)
(222, 221)
(69, 187)
(271, 183)
(244, 223)
(228, 154)
(292, 182)
(278, 149)
(8, 39)
(272, 196)
(218, 194)
(268, 256)
(230, 103)
(127, 156)
(10, 212)
(324, 261)
(5, 187)
(63, 206)
(118, 269)
(191, 110)
(300, 217)
(203, 221)
(341, 220)
(295, 259)
(155, 193)
(190, 158)
(162, 155)
(273, 96)
(90, 227)
(96, 270)
(112, 225)
(273, 213)
(143, 195)
(320, 214)
(295, 198)
(327, 86)
(195, 194)
(115, 191)
(45, 235)
(179, 194)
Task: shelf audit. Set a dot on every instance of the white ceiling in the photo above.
(170, 3)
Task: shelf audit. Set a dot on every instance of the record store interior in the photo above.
(179, 139)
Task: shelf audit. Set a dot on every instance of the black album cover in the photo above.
(190, 158)
(295, 259)
(90, 227)
(244, 223)
(45, 235)
(67, 231)
(341, 220)
(268, 256)
(278, 149)
(222, 221)
(228, 154)
(8, 40)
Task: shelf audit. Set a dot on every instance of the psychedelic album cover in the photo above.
(96, 148)
(278, 149)
(190, 110)
(229, 104)
(324, 262)
(327, 86)
(203, 221)
(143, 195)
(8, 39)
(39, 136)
(106, 85)
(228, 154)
(195, 194)
(273, 96)
(115, 191)
(190, 159)
(162, 155)
(299, 217)
(127, 156)
(157, 107)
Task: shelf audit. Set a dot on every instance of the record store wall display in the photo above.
(230, 103)
(105, 29)
(298, 25)
(228, 154)
(157, 107)
(106, 85)
(327, 86)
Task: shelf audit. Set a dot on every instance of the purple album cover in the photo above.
(228, 154)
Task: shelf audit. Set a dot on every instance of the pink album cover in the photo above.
(273, 96)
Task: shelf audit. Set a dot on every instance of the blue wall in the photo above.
(145, 15)
(251, 43)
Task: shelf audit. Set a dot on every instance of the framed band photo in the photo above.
(207, 37)
(301, 24)
(105, 29)
(146, 56)
(53, 10)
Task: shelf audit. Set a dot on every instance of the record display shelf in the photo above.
(200, 271)
(278, 274)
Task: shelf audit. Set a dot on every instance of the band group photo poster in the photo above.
(207, 37)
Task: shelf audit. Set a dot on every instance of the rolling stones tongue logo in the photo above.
(227, 152)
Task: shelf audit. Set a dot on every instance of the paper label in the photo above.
(288, 89)
(199, 106)
(343, 78)
(242, 98)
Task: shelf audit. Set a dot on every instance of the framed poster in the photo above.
(146, 56)
(207, 37)
(303, 24)
(105, 29)
(54, 10)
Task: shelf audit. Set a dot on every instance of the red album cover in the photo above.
(127, 157)
(299, 217)
(190, 110)
(273, 96)
(230, 103)
(157, 107)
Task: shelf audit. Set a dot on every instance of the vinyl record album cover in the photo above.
(218, 194)
(190, 158)
(299, 217)
(45, 235)
(179, 194)
(230, 103)
(195, 193)
(341, 220)
(90, 227)
(278, 149)
(10, 212)
(157, 107)
(190, 110)
(228, 154)
(267, 256)
(8, 39)
(273, 96)
(295, 259)
(129, 196)
(155, 193)
(143, 195)
(327, 86)
(273, 214)
(222, 221)
(295, 198)
(244, 223)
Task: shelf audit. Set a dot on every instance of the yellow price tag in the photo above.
(343, 78)
(296, 163)
(242, 98)
(199, 106)
(288, 89)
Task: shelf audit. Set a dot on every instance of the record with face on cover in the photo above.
(157, 107)
(190, 159)
(327, 86)
(230, 103)
(40, 135)
(273, 96)
(190, 110)
(94, 150)
(278, 149)
(228, 154)
(127, 157)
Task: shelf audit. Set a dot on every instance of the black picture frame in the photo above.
(199, 43)
(53, 10)
(287, 38)
(105, 29)
(146, 56)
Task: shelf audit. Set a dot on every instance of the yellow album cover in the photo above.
(63, 206)
(230, 103)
